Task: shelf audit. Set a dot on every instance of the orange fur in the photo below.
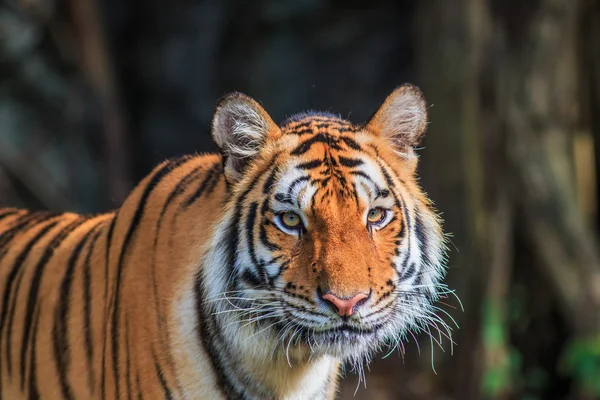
(105, 306)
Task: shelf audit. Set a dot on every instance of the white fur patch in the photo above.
(239, 129)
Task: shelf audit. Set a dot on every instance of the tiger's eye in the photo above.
(291, 219)
(375, 215)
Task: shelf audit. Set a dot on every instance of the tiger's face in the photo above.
(337, 250)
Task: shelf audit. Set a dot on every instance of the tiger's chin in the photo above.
(345, 342)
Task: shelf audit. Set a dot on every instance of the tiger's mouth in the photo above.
(345, 334)
(344, 340)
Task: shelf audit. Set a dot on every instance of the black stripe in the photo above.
(268, 186)
(264, 239)
(334, 124)
(296, 125)
(310, 164)
(212, 176)
(267, 190)
(405, 268)
(250, 221)
(214, 182)
(390, 183)
(33, 390)
(283, 198)
(179, 190)
(233, 231)
(422, 240)
(108, 245)
(87, 310)
(116, 303)
(408, 271)
(382, 193)
(251, 278)
(353, 144)
(20, 226)
(29, 216)
(138, 385)
(419, 228)
(385, 172)
(368, 179)
(355, 195)
(11, 320)
(418, 282)
(301, 132)
(265, 207)
(161, 378)
(60, 338)
(350, 162)
(7, 213)
(295, 183)
(262, 233)
(402, 230)
(306, 145)
(282, 268)
(324, 183)
(34, 288)
(19, 262)
(206, 331)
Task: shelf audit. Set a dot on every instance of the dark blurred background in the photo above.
(94, 93)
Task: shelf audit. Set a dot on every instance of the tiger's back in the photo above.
(66, 327)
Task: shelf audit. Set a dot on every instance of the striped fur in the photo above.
(194, 289)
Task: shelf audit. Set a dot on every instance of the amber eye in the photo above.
(376, 215)
(291, 220)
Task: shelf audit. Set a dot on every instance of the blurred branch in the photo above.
(590, 85)
(543, 115)
(509, 96)
(96, 64)
(498, 370)
(585, 168)
(33, 179)
(40, 9)
(542, 118)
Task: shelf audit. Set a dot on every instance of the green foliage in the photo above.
(581, 359)
(500, 377)
(502, 362)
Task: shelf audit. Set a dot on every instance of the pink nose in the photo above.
(345, 307)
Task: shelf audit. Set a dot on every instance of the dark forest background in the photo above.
(94, 93)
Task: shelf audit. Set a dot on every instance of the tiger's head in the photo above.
(328, 245)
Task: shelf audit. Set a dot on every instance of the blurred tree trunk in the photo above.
(518, 89)
(450, 68)
(96, 65)
(590, 48)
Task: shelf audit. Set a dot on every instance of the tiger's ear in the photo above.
(240, 128)
(402, 119)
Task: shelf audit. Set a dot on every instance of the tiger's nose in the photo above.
(345, 306)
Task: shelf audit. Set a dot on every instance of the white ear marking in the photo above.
(402, 119)
(240, 129)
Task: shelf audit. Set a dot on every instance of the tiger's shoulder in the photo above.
(70, 282)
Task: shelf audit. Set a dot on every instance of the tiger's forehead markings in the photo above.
(331, 165)
(337, 134)
(304, 124)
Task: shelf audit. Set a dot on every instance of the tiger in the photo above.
(258, 272)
